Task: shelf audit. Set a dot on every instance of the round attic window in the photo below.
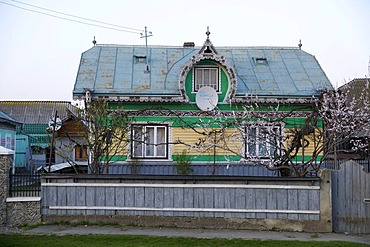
(206, 98)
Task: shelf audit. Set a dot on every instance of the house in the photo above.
(32, 138)
(358, 99)
(7, 131)
(189, 103)
(70, 145)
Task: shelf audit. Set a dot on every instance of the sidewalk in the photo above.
(195, 233)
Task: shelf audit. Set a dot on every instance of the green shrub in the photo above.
(183, 163)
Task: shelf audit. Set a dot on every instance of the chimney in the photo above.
(189, 44)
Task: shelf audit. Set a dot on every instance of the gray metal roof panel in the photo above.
(5, 117)
(35, 112)
(115, 70)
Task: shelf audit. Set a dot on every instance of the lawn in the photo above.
(18, 240)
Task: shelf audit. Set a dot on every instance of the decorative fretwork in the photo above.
(216, 113)
(208, 52)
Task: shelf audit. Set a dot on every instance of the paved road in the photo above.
(196, 233)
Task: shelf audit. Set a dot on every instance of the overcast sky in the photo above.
(40, 54)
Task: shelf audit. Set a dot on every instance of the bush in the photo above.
(183, 163)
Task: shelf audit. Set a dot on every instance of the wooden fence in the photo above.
(257, 203)
(202, 169)
(351, 198)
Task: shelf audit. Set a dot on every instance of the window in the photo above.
(149, 141)
(8, 141)
(80, 153)
(206, 76)
(140, 59)
(260, 60)
(262, 141)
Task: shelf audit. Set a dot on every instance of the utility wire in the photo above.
(78, 17)
(85, 23)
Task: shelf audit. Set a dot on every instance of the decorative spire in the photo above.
(94, 41)
(208, 32)
(300, 44)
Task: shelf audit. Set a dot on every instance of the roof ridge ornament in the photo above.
(208, 49)
(208, 33)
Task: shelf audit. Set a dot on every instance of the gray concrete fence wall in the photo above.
(15, 211)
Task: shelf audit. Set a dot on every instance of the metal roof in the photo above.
(120, 70)
(35, 112)
(6, 118)
(356, 89)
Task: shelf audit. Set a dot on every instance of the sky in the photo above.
(40, 53)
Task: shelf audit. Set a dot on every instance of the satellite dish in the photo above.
(58, 124)
(206, 98)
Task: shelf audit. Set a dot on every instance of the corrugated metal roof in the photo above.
(35, 112)
(6, 118)
(116, 70)
(356, 89)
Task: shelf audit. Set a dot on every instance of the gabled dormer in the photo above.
(208, 68)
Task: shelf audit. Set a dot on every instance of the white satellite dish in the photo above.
(58, 124)
(206, 98)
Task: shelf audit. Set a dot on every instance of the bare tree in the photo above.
(346, 117)
(265, 134)
(294, 139)
(106, 134)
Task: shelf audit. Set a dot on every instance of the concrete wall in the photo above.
(4, 166)
(23, 211)
(210, 202)
(15, 211)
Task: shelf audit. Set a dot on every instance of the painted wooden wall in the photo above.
(267, 199)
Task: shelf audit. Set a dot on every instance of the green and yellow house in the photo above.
(224, 110)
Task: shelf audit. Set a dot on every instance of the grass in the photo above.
(19, 240)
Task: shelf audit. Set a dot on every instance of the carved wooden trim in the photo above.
(208, 52)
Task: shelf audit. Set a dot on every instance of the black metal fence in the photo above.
(24, 185)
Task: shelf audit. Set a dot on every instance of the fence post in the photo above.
(325, 201)
(6, 161)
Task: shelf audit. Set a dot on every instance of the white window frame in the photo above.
(8, 141)
(262, 145)
(215, 85)
(145, 146)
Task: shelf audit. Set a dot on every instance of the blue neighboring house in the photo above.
(28, 136)
(7, 131)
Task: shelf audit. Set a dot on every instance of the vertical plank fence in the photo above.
(264, 203)
(351, 199)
